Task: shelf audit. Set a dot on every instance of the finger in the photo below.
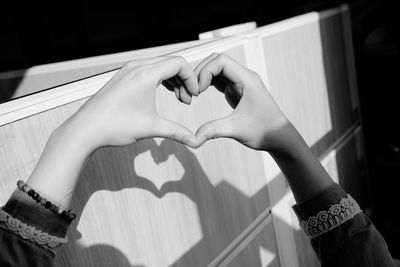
(171, 86)
(215, 129)
(224, 66)
(176, 87)
(175, 131)
(185, 96)
(204, 62)
(178, 93)
(177, 66)
(144, 61)
(183, 93)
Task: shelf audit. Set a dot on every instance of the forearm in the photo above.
(30, 232)
(57, 171)
(303, 171)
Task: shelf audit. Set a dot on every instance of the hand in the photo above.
(124, 111)
(256, 120)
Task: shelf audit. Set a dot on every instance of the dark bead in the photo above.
(54, 208)
(31, 192)
(47, 205)
(38, 199)
(35, 195)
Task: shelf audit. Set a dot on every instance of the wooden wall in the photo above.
(159, 203)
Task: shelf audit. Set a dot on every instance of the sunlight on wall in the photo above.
(282, 209)
(266, 256)
(299, 66)
(160, 172)
(330, 165)
(159, 242)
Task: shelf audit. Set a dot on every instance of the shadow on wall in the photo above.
(344, 108)
(20, 83)
(194, 184)
(9, 84)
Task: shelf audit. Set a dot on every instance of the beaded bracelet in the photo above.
(68, 215)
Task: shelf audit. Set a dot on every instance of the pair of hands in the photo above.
(124, 110)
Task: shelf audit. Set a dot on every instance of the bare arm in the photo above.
(122, 112)
(258, 123)
(340, 233)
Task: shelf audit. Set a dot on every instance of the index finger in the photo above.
(220, 64)
(177, 66)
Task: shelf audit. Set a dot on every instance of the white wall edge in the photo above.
(26, 106)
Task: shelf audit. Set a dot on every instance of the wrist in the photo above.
(59, 166)
(286, 141)
(74, 137)
(303, 171)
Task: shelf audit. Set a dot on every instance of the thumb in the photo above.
(175, 131)
(215, 129)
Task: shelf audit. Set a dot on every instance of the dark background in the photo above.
(38, 32)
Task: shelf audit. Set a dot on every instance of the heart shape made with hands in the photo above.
(124, 109)
(133, 115)
(194, 117)
(213, 72)
(256, 120)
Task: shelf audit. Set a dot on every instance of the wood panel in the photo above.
(156, 202)
(346, 165)
(260, 251)
(307, 72)
(307, 69)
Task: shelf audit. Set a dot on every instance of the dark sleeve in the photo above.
(341, 234)
(29, 233)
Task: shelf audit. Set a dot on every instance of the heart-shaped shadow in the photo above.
(113, 169)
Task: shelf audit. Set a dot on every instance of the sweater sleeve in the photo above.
(341, 234)
(29, 233)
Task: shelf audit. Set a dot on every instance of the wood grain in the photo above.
(261, 251)
(307, 75)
